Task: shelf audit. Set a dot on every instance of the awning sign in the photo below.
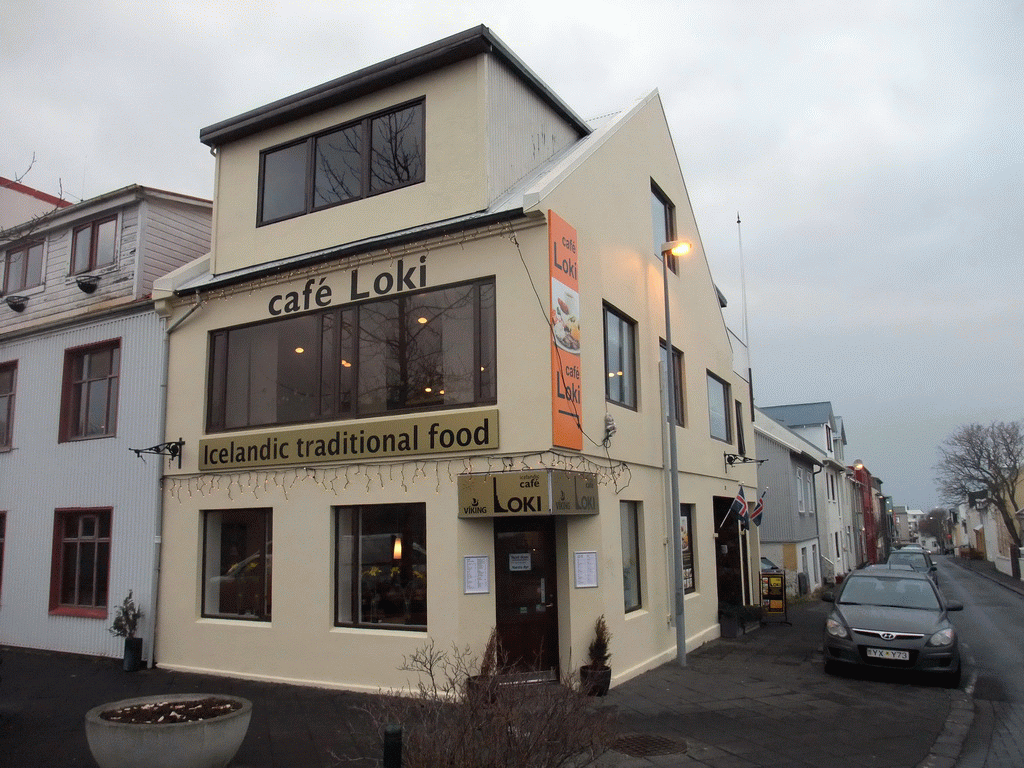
(541, 492)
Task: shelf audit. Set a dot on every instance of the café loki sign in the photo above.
(356, 441)
(540, 492)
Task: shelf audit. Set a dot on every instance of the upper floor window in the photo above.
(741, 442)
(94, 245)
(677, 376)
(421, 350)
(619, 358)
(718, 408)
(91, 376)
(23, 267)
(374, 154)
(663, 219)
(8, 382)
(81, 562)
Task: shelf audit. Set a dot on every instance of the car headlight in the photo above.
(835, 627)
(942, 637)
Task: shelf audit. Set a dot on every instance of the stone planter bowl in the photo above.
(209, 743)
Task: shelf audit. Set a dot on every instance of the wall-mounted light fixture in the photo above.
(17, 303)
(87, 283)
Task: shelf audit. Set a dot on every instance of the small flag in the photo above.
(739, 508)
(758, 512)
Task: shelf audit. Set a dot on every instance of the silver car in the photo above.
(892, 618)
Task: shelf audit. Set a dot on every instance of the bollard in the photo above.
(393, 746)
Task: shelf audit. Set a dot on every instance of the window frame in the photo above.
(72, 412)
(344, 327)
(94, 609)
(349, 588)
(27, 280)
(91, 263)
(631, 539)
(365, 124)
(630, 393)
(668, 211)
(264, 585)
(741, 442)
(679, 380)
(689, 552)
(7, 404)
(726, 391)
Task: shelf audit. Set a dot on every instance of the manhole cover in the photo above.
(647, 745)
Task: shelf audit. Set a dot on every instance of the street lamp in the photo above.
(674, 248)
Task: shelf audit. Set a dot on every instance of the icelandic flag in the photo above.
(739, 507)
(758, 511)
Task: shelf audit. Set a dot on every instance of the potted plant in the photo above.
(184, 730)
(126, 622)
(596, 676)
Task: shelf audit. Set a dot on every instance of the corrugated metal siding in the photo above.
(523, 132)
(782, 519)
(174, 235)
(41, 475)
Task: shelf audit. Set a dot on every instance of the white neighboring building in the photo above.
(82, 367)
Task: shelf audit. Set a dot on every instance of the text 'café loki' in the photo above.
(549, 492)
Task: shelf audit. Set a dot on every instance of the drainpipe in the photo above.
(158, 537)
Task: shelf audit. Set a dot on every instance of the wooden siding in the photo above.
(40, 475)
(523, 132)
(174, 235)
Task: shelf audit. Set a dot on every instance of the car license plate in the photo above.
(885, 653)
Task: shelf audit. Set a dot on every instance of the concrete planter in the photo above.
(209, 743)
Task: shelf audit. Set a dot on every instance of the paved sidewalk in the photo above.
(758, 700)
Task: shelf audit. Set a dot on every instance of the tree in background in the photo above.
(991, 459)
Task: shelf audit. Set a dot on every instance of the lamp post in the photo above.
(675, 248)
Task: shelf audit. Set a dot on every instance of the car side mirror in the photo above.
(828, 597)
(954, 606)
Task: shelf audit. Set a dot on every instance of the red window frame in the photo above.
(25, 280)
(7, 396)
(90, 536)
(80, 387)
(87, 262)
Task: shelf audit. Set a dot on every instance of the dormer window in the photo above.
(377, 153)
(94, 245)
(23, 267)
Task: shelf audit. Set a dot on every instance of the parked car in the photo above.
(917, 559)
(891, 618)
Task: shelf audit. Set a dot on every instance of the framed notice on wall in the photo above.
(476, 574)
(585, 568)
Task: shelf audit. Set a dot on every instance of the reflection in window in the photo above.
(381, 553)
(374, 154)
(23, 267)
(629, 531)
(718, 408)
(619, 358)
(91, 377)
(417, 350)
(237, 563)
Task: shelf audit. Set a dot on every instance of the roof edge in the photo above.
(449, 50)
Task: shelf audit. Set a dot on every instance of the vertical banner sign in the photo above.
(566, 385)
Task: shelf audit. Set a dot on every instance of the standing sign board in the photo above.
(773, 593)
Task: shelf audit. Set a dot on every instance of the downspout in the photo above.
(158, 537)
(817, 516)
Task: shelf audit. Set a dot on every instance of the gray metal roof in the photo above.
(436, 55)
(801, 414)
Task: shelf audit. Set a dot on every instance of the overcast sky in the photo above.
(873, 150)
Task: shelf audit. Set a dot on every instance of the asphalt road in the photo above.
(991, 627)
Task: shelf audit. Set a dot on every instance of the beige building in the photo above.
(419, 384)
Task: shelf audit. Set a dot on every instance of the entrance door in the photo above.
(728, 554)
(526, 598)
